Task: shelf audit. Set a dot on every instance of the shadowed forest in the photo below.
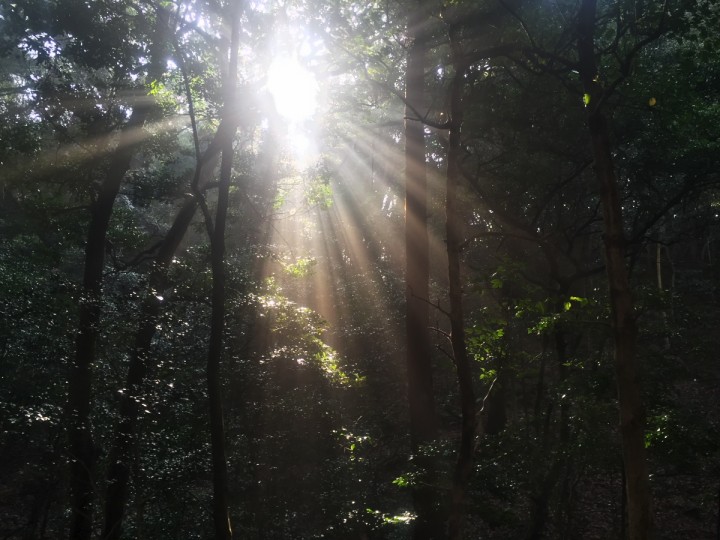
(396, 269)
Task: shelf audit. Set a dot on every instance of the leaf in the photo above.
(300, 268)
(155, 88)
(586, 99)
(401, 481)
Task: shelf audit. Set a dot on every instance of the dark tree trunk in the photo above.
(220, 507)
(423, 426)
(632, 416)
(453, 228)
(82, 449)
(80, 441)
(423, 421)
(221, 517)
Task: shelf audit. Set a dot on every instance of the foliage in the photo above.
(315, 407)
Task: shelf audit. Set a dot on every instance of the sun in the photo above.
(293, 88)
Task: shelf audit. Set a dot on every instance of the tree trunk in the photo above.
(82, 449)
(221, 518)
(220, 507)
(632, 416)
(453, 226)
(423, 426)
(423, 420)
(80, 442)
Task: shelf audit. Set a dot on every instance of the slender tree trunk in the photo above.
(36, 509)
(82, 449)
(718, 514)
(258, 335)
(423, 420)
(423, 426)
(81, 446)
(453, 226)
(632, 416)
(221, 515)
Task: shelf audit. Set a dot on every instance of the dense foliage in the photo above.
(132, 110)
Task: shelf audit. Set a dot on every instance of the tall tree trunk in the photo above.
(423, 426)
(423, 420)
(82, 449)
(80, 441)
(453, 227)
(220, 507)
(221, 516)
(632, 416)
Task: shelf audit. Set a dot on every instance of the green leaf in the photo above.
(300, 268)
(586, 99)
(320, 194)
(401, 481)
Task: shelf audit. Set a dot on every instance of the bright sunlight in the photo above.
(293, 88)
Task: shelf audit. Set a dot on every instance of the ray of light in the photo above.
(358, 243)
(91, 148)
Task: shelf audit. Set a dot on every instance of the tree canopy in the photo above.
(332, 269)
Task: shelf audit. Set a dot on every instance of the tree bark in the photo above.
(220, 507)
(80, 441)
(423, 426)
(423, 420)
(82, 449)
(221, 516)
(632, 416)
(453, 226)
